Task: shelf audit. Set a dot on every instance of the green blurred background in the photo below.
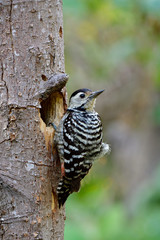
(115, 45)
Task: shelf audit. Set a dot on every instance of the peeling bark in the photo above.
(32, 51)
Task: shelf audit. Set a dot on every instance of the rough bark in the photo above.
(31, 51)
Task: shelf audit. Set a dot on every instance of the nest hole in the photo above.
(48, 109)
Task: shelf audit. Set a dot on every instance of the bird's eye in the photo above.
(82, 95)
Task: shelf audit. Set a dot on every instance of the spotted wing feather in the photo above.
(81, 144)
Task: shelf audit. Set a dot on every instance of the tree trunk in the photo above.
(31, 51)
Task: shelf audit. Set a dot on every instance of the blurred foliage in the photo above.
(102, 36)
(106, 220)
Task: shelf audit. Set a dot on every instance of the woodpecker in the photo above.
(79, 141)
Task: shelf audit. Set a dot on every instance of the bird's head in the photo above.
(83, 100)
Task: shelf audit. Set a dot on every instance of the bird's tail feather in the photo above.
(65, 188)
(63, 191)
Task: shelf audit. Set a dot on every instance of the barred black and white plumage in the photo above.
(79, 141)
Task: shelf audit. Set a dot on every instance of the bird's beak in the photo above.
(95, 94)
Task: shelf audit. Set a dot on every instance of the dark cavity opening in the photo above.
(48, 109)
